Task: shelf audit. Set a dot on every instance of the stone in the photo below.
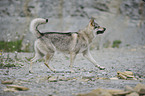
(10, 90)
(121, 93)
(103, 78)
(100, 92)
(114, 78)
(17, 87)
(105, 92)
(140, 79)
(88, 77)
(128, 88)
(129, 91)
(127, 75)
(118, 92)
(53, 79)
(7, 82)
(132, 78)
(83, 80)
(122, 76)
(96, 92)
(63, 78)
(128, 72)
(142, 92)
(87, 94)
(133, 94)
(138, 87)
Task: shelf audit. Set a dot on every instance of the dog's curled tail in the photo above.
(35, 23)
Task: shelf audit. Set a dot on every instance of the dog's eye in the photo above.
(95, 27)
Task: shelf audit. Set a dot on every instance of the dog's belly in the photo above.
(62, 48)
(68, 47)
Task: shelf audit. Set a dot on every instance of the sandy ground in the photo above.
(85, 77)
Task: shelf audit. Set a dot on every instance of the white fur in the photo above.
(34, 23)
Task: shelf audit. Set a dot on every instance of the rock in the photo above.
(128, 88)
(105, 92)
(88, 77)
(7, 82)
(19, 88)
(112, 91)
(127, 75)
(10, 90)
(129, 91)
(133, 94)
(126, 9)
(87, 94)
(114, 78)
(63, 78)
(142, 92)
(96, 92)
(140, 79)
(103, 78)
(101, 92)
(53, 79)
(122, 76)
(121, 93)
(118, 92)
(131, 78)
(128, 72)
(83, 80)
(138, 87)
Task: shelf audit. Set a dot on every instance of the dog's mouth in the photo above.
(100, 31)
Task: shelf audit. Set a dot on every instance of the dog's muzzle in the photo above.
(100, 31)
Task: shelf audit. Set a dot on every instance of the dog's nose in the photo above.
(104, 29)
(46, 20)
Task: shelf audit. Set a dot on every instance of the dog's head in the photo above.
(96, 27)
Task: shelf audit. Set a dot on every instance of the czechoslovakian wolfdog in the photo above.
(71, 42)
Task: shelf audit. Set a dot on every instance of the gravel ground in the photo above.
(85, 78)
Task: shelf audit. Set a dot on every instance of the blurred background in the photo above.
(124, 20)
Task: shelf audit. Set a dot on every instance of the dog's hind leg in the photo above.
(87, 55)
(36, 57)
(48, 57)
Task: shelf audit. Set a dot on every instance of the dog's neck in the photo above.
(87, 34)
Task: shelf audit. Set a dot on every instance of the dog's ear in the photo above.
(92, 21)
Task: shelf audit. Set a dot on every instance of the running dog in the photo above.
(71, 42)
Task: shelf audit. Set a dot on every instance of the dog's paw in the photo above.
(102, 68)
(31, 71)
(53, 70)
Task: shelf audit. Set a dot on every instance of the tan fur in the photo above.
(72, 43)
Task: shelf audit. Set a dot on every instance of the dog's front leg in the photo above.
(87, 55)
(72, 58)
